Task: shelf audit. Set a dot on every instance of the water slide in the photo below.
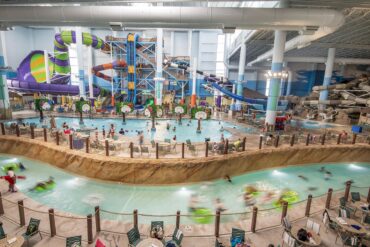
(115, 65)
(31, 71)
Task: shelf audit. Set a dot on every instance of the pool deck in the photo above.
(268, 226)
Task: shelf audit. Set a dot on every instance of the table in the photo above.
(315, 237)
(150, 242)
(359, 205)
(18, 243)
(349, 228)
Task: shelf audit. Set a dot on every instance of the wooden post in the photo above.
(45, 135)
(106, 148)
(254, 219)
(308, 206)
(226, 148)
(308, 139)
(53, 230)
(32, 131)
(97, 218)
(261, 140)
(198, 128)
(348, 188)
(70, 141)
(2, 207)
(87, 144)
(17, 132)
(183, 150)
(244, 143)
(323, 139)
(277, 141)
(123, 118)
(131, 150)
(339, 138)
(178, 219)
(217, 224)
(156, 150)
(57, 137)
(135, 218)
(292, 140)
(2, 129)
(22, 219)
(368, 198)
(206, 149)
(285, 210)
(328, 198)
(354, 137)
(89, 229)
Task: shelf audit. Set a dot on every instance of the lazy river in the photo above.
(79, 195)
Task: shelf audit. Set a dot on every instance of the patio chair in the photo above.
(367, 219)
(328, 222)
(74, 241)
(136, 149)
(237, 233)
(188, 142)
(192, 149)
(288, 240)
(145, 150)
(286, 224)
(312, 225)
(157, 229)
(356, 197)
(153, 143)
(32, 230)
(167, 140)
(343, 204)
(346, 239)
(218, 244)
(176, 238)
(2, 232)
(133, 237)
(344, 213)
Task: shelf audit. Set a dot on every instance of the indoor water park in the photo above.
(184, 123)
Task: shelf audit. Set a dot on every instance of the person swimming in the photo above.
(228, 179)
(44, 184)
(327, 175)
(322, 169)
(193, 203)
(174, 128)
(303, 177)
(219, 206)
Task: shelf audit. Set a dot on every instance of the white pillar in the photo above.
(172, 50)
(159, 77)
(46, 62)
(242, 58)
(90, 74)
(190, 38)
(328, 74)
(193, 100)
(80, 60)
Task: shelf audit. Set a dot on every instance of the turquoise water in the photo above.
(210, 128)
(76, 194)
(308, 124)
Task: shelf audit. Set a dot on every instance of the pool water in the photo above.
(309, 124)
(76, 194)
(209, 128)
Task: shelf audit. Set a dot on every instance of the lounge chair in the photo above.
(356, 197)
(367, 219)
(286, 224)
(74, 241)
(188, 142)
(32, 230)
(218, 244)
(176, 238)
(133, 237)
(136, 149)
(346, 238)
(2, 233)
(167, 140)
(311, 225)
(344, 213)
(192, 149)
(237, 233)
(153, 143)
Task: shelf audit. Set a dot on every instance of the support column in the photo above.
(90, 75)
(190, 38)
(80, 61)
(46, 62)
(239, 90)
(193, 101)
(327, 77)
(5, 111)
(276, 69)
(172, 50)
(289, 86)
(159, 77)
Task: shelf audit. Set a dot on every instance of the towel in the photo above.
(309, 224)
(341, 221)
(316, 228)
(286, 238)
(178, 234)
(325, 219)
(343, 213)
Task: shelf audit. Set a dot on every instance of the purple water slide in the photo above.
(44, 88)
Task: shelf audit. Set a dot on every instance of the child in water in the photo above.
(44, 184)
(11, 178)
